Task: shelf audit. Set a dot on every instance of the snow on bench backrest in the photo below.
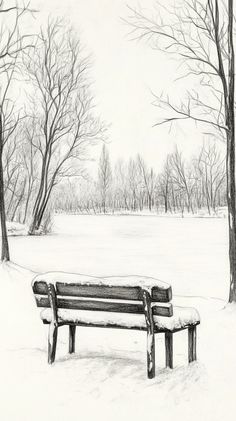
(122, 288)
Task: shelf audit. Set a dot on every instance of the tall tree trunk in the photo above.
(38, 217)
(35, 224)
(5, 254)
(166, 206)
(230, 164)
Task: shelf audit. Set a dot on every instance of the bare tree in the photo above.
(200, 34)
(212, 174)
(148, 180)
(12, 43)
(183, 177)
(121, 187)
(64, 121)
(165, 184)
(134, 180)
(104, 177)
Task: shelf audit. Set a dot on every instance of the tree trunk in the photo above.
(42, 192)
(38, 217)
(5, 255)
(149, 202)
(230, 158)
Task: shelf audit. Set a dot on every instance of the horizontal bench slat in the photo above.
(102, 291)
(136, 308)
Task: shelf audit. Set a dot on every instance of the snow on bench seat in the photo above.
(182, 318)
(144, 282)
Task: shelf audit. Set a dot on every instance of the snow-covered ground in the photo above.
(106, 378)
(15, 228)
(190, 254)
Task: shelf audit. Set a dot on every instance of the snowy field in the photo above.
(191, 254)
(106, 378)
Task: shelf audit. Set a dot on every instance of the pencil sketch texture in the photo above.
(117, 210)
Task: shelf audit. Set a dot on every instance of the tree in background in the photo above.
(104, 177)
(184, 179)
(165, 185)
(64, 121)
(148, 180)
(201, 35)
(211, 169)
(121, 189)
(134, 183)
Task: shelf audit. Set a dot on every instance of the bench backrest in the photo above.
(115, 294)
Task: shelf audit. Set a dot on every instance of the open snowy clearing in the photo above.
(106, 378)
(190, 254)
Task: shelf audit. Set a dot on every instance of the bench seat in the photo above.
(183, 317)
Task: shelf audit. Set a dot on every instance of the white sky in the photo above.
(124, 73)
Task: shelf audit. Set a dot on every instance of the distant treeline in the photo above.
(182, 185)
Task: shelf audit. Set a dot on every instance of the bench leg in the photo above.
(72, 330)
(52, 342)
(169, 349)
(192, 343)
(150, 355)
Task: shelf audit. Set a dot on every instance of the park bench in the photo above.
(125, 302)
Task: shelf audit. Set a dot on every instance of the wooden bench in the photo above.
(126, 302)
